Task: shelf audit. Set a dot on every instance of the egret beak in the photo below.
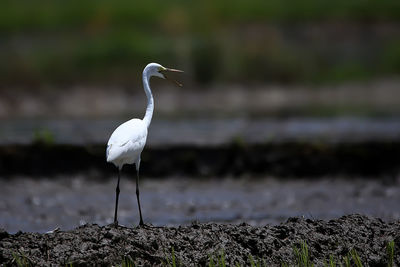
(170, 79)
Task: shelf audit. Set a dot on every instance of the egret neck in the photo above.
(150, 100)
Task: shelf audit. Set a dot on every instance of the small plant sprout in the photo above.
(331, 262)
(220, 260)
(21, 260)
(346, 260)
(302, 255)
(390, 253)
(128, 262)
(257, 263)
(173, 262)
(356, 258)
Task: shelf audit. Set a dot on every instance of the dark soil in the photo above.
(284, 159)
(193, 245)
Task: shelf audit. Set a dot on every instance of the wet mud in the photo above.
(196, 243)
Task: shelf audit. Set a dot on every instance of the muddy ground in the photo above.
(193, 244)
(40, 205)
(179, 212)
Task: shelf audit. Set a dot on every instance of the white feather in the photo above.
(127, 142)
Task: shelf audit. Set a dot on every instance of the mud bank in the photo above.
(193, 245)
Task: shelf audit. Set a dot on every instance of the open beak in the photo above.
(170, 79)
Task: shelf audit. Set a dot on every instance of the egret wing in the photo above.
(128, 137)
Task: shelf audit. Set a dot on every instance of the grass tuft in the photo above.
(390, 253)
(172, 261)
(331, 262)
(220, 260)
(302, 255)
(257, 263)
(346, 260)
(21, 260)
(128, 262)
(356, 258)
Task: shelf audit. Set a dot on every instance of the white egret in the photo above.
(126, 143)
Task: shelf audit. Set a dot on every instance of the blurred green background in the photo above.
(109, 42)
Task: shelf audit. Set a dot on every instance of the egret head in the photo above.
(155, 69)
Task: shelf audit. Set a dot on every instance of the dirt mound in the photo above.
(197, 243)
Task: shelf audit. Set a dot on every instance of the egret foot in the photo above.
(145, 226)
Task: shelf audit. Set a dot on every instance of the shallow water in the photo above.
(205, 131)
(66, 202)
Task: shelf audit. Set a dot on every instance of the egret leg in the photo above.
(116, 199)
(137, 196)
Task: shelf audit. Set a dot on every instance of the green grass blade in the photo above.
(211, 263)
(173, 257)
(252, 263)
(331, 262)
(171, 261)
(221, 261)
(390, 253)
(127, 262)
(356, 258)
(21, 260)
(346, 260)
(302, 255)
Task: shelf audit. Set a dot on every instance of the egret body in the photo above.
(126, 143)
